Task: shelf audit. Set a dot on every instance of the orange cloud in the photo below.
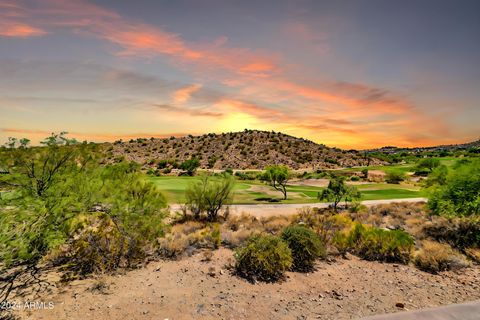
(20, 31)
(346, 110)
(189, 111)
(139, 39)
(183, 95)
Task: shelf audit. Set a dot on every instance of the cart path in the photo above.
(264, 209)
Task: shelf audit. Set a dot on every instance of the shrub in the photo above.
(372, 243)
(305, 245)
(326, 224)
(460, 193)
(434, 257)
(96, 246)
(187, 237)
(395, 177)
(458, 232)
(383, 245)
(263, 258)
(190, 166)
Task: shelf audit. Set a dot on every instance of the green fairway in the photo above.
(250, 192)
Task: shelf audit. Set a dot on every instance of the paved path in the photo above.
(464, 311)
(282, 209)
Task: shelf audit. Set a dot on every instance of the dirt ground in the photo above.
(195, 289)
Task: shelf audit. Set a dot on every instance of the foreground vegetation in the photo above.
(62, 206)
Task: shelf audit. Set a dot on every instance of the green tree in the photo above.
(337, 191)
(50, 187)
(365, 173)
(459, 194)
(277, 177)
(190, 165)
(427, 165)
(36, 169)
(209, 195)
(395, 177)
(437, 177)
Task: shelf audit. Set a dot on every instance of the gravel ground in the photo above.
(195, 289)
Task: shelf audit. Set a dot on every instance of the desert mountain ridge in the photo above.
(248, 149)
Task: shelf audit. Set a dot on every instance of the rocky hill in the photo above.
(249, 149)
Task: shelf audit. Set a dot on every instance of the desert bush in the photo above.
(426, 166)
(394, 215)
(236, 238)
(460, 232)
(384, 245)
(238, 228)
(190, 166)
(325, 223)
(97, 245)
(372, 243)
(434, 257)
(305, 245)
(263, 258)
(187, 237)
(173, 246)
(275, 224)
(395, 177)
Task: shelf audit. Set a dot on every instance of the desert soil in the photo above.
(195, 289)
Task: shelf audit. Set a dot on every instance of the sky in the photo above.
(352, 74)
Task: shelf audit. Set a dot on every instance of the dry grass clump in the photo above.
(185, 238)
(459, 232)
(325, 223)
(393, 215)
(238, 228)
(275, 224)
(434, 257)
(474, 254)
(234, 239)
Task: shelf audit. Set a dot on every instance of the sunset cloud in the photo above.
(188, 111)
(182, 95)
(290, 77)
(20, 30)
